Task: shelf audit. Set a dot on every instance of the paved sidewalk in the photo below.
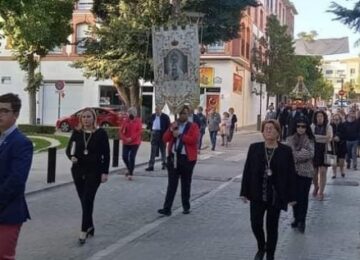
(38, 175)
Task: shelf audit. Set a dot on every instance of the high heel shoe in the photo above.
(90, 232)
(82, 237)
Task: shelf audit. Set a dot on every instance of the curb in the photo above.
(60, 185)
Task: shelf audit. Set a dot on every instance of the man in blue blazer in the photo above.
(158, 124)
(16, 153)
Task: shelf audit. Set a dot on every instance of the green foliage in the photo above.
(323, 89)
(39, 144)
(122, 50)
(349, 17)
(36, 129)
(308, 36)
(33, 28)
(146, 135)
(277, 63)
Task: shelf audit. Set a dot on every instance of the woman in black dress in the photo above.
(338, 144)
(269, 183)
(89, 151)
(323, 133)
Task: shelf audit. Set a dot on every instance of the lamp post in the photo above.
(259, 116)
(341, 92)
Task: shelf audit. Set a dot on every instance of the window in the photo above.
(216, 47)
(85, 4)
(352, 71)
(329, 72)
(248, 43)
(56, 50)
(81, 35)
(256, 17)
(6, 80)
(261, 20)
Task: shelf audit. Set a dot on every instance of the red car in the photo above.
(105, 117)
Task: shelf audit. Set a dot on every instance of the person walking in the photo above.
(338, 144)
(225, 128)
(89, 151)
(233, 120)
(323, 133)
(213, 121)
(16, 152)
(203, 124)
(130, 134)
(352, 133)
(182, 137)
(302, 145)
(282, 115)
(269, 181)
(158, 124)
(271, 114)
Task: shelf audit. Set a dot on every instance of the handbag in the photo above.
(330, 159)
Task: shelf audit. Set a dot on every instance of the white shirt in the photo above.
(6, 133)
(156, 123)
(181, 130)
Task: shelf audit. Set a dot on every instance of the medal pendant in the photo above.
(268, 172)
(86, 152)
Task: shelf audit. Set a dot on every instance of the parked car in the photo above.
(105, 117)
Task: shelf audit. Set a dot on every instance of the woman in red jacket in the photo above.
(130, 134)
(182, 137)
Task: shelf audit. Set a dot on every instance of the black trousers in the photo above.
(302, 199)
(157, 145)
(129, 155)
(87, 184)
(257, 212)
(183, 171)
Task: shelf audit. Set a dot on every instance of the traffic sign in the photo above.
(341, 92)
(60, 84)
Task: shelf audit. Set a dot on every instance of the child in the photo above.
(225, 128)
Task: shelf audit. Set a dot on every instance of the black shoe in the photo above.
(164, 212)
(90, 232)
(259, 255)
(348, 166)
(333, 177)
(270, 257)
(149, 169)
(186, 211)
(294, 224)
(82, 238)
(163, 167)
(301, 227)
(343, 175)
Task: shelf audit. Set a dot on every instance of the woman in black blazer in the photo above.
(269, 181)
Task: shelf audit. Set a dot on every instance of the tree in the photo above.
(274, 56)
(40, 26)
(122, 51)
(322, 89)
(349, 17)
(308, 36)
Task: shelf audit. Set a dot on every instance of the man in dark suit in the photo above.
(158, 124)
(16, 153)
(282, 114)
(294, 114)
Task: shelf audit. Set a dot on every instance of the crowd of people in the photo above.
(299, 145)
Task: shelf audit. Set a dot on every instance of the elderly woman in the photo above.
(269, 181)
(302, 145)
(130, 134)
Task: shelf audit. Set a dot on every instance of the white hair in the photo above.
(132, 111)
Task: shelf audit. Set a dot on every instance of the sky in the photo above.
(312, 15)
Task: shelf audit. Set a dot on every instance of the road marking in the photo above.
(147, 228)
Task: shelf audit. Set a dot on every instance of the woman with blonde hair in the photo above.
(89, 151)
(338, 144)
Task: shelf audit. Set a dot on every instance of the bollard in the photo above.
(115, 161)
(51, 165)
(258, 123)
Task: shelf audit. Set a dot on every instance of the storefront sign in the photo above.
(207, 77)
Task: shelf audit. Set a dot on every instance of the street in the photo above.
(129, 228)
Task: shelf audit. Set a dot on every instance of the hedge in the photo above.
(113, 133)
(37, 129)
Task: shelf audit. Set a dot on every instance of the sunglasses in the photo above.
(301, 126)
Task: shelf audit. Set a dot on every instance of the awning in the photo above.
(322, 47)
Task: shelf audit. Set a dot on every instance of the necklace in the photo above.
(86, 142)
(268, 160)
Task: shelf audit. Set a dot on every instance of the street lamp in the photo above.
(258, 78)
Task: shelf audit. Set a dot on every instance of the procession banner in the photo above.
(176, 57)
